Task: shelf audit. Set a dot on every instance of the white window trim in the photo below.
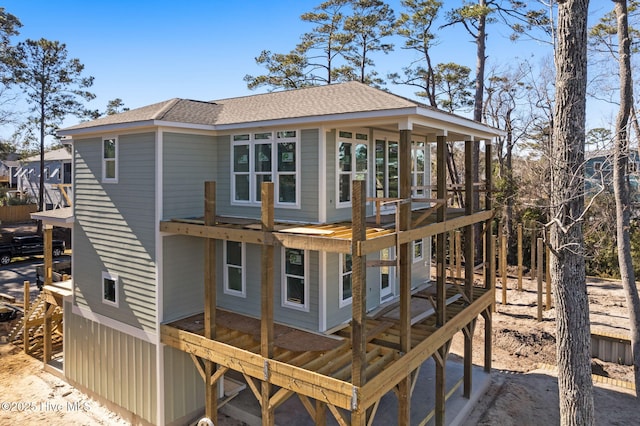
(243, 258)
(275, 174)
(417, 259)
(423, 193)
(341, 274)
(116, 279)
(354, 141)
(285, 303)
(104, 160)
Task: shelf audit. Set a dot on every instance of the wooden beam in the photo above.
(377, 387)
(405, 261)
(441, 239)
(26, 334)
(300, 380)
(216, 232)
(358, 286)
(211, 391)
(266, 295)
(374, 245)
(48, 254)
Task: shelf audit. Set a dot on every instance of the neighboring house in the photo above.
(57, 178)
(599, 173)
(8, 169)
(136, 270)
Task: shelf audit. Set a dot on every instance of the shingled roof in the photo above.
(349, 97)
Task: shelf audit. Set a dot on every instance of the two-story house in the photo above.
(57, 178)
(274, 236)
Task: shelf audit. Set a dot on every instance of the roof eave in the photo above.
(117, 127)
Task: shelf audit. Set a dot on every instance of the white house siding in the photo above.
(114, 229)
(116, 366)
(188, 161)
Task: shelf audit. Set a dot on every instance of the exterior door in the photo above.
(387, 182)
(387, 275)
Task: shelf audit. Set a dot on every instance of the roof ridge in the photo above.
(165, 109)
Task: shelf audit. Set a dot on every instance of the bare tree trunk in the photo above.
(477, 116)
(621, 187)
(567, 207)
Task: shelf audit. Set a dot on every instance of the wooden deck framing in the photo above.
(372, 355)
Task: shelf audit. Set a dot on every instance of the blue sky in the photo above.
(146, 51)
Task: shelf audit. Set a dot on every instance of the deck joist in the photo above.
(325, 374)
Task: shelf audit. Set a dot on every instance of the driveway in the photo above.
(13, 276)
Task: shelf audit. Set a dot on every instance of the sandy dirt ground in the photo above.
(523, 391)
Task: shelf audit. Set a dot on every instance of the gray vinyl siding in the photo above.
(184, 388)
(308, 164)
(250, 305)
(336, 315)
(187, 162)
(183, 276)
(115, 228)
(114, 365)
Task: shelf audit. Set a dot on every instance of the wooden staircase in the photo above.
(30, 332)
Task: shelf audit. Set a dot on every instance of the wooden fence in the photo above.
(16, 214)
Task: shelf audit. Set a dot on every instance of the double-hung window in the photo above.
(295, 292)
(265, 157)
(346, 269)
(352, 162)
(234, 277)
(110, 160)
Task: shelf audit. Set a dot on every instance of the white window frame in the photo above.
(275, 175)
(106, 179)
(354, 139)
(116, 280)
(341, 275)
(285, 300)
(243, 257)
(415, 173)
(413, 250)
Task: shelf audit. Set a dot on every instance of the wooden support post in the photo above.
(452, 255)
(321, 413)
(534, 258)
(519, 257)
(26, 335)
(540, 269)
(469, 234)
(404, 273)
(48, 254)
(503, 267)
(440, 356)
(441, 189)
(468, 332)
(267, 294)
(358, 285)
(489, 256)
(46, 331)
(469, 261)
(488, 339)
(458, 245)
(211, 390)
(548, 272)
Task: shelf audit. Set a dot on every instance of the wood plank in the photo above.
(314, 385)
(215, 232)
(374, 389)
